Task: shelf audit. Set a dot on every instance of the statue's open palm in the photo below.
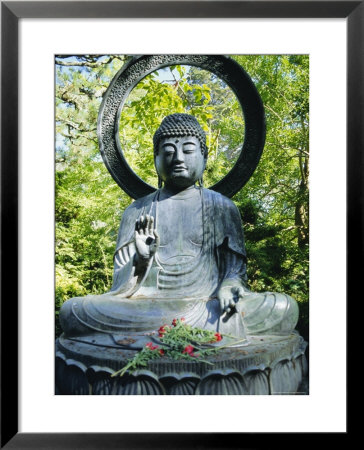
(146, 237)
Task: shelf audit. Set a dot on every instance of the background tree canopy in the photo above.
(273, 204)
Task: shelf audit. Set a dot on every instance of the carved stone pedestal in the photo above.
(269, 365)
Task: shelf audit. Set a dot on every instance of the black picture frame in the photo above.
(11, 12)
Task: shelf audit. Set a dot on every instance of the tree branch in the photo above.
(87, 63)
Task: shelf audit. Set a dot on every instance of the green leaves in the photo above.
(181, 89)
(275, 201)
(179, 341)
(86, 196)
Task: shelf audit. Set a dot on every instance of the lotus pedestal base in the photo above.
(269, 365)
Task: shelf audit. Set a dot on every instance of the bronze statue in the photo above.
(180, 253)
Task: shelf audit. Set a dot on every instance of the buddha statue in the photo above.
(180, 253)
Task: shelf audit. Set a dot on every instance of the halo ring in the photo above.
(138, 68)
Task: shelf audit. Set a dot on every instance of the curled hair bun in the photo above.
(178, 125)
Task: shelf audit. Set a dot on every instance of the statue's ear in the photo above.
(205, 159)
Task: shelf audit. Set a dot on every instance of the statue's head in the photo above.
(180, 151)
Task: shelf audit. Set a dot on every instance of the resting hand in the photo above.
(228, 296)
(146, 238)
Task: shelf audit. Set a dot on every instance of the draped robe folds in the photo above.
(183, 284)
(221, 253)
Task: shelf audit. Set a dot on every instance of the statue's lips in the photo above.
(179, 169)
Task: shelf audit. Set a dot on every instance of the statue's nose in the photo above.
(179, 155)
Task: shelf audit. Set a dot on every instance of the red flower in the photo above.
(218, 337)
(175, 321)
(189, 350)
(162, 330)
(161, 352)
(151, 346)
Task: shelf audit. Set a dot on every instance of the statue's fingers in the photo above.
(151, 224)
(137, 225)
(147, 223)
(156, 237)
(241, 292)
(227, 305)
(141, 225)
(222, 305)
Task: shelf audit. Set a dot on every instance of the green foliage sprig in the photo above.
(179, 341)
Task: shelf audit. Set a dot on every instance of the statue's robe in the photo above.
(204, 232)
(202, 246)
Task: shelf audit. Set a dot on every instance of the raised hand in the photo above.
(228, 297)
(146, 238)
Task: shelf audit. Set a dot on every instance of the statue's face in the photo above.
(179, 161)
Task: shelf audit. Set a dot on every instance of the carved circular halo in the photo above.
(138, 68)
